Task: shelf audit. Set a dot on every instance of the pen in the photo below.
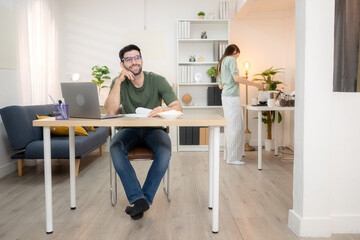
(62, 114)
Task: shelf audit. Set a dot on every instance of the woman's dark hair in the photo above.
(127, 49)
(230, 50)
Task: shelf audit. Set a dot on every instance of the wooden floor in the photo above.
(254, 204)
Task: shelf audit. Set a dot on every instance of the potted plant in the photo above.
(201, 15)
(100, 75)
(211, 72)
(267, 78)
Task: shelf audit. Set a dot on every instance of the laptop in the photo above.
(83, 100)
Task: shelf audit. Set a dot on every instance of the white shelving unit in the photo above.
(196, 80)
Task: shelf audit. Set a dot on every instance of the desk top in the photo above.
(184, 120)
(266, 108)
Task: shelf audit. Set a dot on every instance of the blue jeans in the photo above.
(158, 141)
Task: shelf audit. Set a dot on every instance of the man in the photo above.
(135, 88)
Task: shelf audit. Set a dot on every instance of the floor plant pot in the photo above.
(268, 144)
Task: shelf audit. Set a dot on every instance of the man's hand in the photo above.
(125, 74)
(175, 105)
(157, 110)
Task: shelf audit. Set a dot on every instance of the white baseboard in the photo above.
(309, 227)
(346, 224)
(8, 168)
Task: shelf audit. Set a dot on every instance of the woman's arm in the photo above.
(242, 80)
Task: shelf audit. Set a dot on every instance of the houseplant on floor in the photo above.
(267, 78)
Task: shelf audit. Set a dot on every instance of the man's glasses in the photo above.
(129, 59)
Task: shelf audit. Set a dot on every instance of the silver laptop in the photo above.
(83, 100)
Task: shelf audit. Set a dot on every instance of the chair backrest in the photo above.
(17, 121)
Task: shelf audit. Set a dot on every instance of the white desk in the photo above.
(212, 121)
(259, 110)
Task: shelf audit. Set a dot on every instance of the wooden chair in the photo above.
(139, 153)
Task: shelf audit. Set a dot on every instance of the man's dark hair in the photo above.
(127, 49)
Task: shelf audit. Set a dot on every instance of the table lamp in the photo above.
(247, 131)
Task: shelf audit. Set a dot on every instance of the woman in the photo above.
(227, 75)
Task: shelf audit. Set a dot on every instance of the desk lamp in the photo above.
(247, 131)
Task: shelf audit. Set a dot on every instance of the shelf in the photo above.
(198, 63)
(201, 107)
(201, 40)
(199, 21)
(198, 84)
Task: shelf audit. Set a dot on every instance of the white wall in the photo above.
(327, 166)
(9, 94)
(267, 39)
(90, 34)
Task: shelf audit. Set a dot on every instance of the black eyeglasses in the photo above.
(130, 59)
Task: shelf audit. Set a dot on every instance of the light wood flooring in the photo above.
(254, 204)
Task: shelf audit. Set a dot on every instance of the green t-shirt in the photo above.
(149, 95)
(228, 70)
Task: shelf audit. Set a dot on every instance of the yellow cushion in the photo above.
(64, 131)
(91, 129)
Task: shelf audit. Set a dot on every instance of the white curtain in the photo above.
(37, 50)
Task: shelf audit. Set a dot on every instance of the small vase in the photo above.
(268, 144)
(213, 79)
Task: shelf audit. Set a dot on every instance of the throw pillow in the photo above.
(90, 128)
(64, 131)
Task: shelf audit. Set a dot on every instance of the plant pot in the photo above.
(201, 16)
(213, 79)
(268, 144)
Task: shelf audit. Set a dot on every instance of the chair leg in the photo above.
(20, 167)
(101, 150)
(77, 166)
(166, 187)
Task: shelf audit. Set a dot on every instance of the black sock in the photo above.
(140, 206)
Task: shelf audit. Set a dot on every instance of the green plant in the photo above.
(268, 117)
(268, 78)
(211, 72)
(201, 14)
(100, 74)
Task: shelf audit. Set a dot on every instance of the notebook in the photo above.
(83, 100)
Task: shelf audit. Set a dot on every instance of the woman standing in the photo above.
(228, 78)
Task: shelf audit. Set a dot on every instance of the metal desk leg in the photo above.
(211, 166)
(216, 151)
(259, 141)
(48, 184)
(276, 133)
(72, 168)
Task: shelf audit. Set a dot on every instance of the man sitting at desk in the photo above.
(135, 88)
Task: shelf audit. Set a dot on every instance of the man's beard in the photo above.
(135, 73)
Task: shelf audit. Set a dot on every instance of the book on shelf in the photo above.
(186, 74)
(214, 96)
(224, 10)
(183, 29)
(191, 136)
